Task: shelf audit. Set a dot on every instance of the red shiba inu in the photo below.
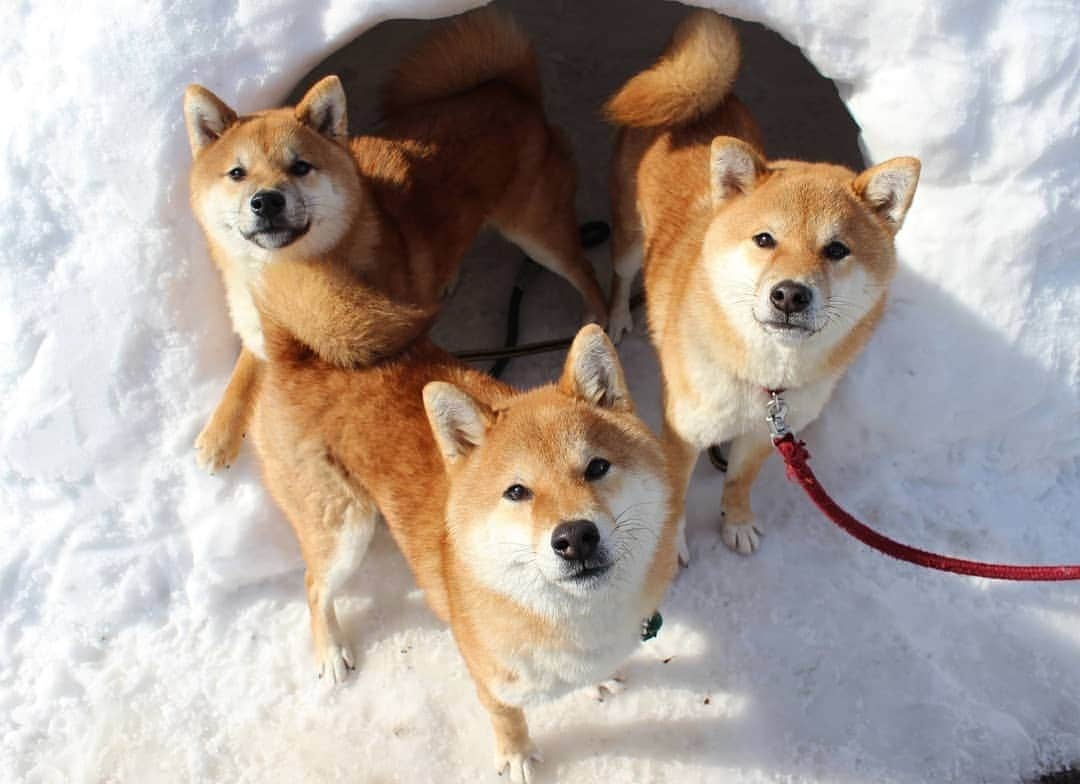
(464, 144)
(540, 525)
(759, 275)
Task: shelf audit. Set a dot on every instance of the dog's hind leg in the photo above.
(680, 457)
(538, 216)
(627, 252)
(332, 555)
(332, 514)
(627, 255)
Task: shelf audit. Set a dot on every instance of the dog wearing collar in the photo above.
(759, 275)
(540, 525)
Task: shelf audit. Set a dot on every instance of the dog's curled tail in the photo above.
(693, 76)
(326, 309)
(480, 46)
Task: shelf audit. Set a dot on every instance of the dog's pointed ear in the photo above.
(323, 109)
(734, 167)
(593, 373)
(206, 115)
(888, 189)
(458, 421)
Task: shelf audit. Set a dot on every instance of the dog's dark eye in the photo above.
(836, 251)
(300, 168)
(237, 173)
(596, 468)
(764, 240)
(517, 493)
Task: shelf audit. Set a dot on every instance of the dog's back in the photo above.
(332, 440)
(464, 142)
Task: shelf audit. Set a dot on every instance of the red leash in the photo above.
(795, 459)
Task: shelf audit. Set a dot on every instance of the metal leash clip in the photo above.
(777, 409)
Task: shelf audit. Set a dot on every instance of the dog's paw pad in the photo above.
(605, 690)
(518, 767)
(336, 662)
(743, 538)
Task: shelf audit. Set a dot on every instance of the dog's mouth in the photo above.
(272, 237)
(788, 329)
(587, 572)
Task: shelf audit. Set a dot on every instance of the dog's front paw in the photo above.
(604, 690)
(743, 538)
(217, 446)
(518, 765)
(334, 663)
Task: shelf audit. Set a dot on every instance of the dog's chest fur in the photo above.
(588, 650)
(715, 406)
(245, 319)
(240, 270)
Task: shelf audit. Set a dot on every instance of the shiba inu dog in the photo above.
(464, 144)
(540, 525)
(759, 275)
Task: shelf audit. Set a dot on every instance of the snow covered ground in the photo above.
(153, 626)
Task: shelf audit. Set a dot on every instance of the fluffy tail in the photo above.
(477, 47)
(693, 76)
(329, 311)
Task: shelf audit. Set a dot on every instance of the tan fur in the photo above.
(331, 313)
(486, 44)
(219, 441)
(693, 75)
(433, 445)
(689, 196)
(396, 209)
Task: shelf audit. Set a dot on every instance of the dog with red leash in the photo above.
(759, 275)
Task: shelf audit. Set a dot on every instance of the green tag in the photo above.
(651, 627)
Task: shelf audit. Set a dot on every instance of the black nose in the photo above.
(790, 297)
(576, 540)
(268, 204)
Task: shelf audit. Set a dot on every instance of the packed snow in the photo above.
(154, 626)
